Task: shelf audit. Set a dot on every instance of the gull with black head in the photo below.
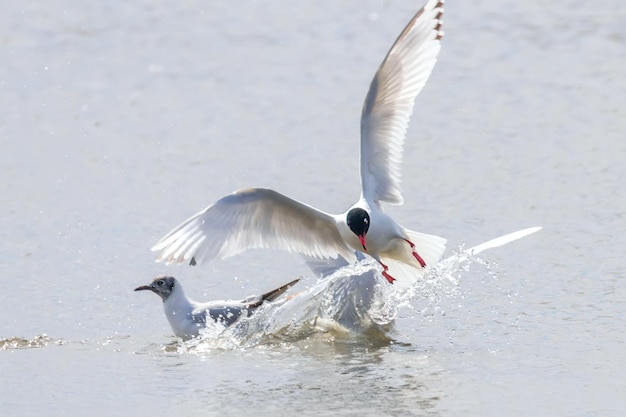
(188, 317)
(264, 218)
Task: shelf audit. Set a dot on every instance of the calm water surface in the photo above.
(121, 120)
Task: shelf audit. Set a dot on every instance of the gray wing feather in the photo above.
(252, 218)
(389, 103)
(227, 312)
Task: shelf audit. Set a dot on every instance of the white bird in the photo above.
(263, 218)
(187, 317)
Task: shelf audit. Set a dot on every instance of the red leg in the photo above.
(389, 278)
(415, 254)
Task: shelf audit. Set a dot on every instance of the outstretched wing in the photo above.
(253, 218)
(389, 102)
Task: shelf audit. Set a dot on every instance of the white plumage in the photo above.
(263, 218)
(187, 317)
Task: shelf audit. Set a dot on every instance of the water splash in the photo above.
(354, 302)
(349, 302)
(39, 341)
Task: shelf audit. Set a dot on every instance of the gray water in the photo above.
(119, 120)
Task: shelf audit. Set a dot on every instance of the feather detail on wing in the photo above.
(227, 312)
(253, 218)
(389, 103)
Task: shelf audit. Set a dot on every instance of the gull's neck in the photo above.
(178, 309)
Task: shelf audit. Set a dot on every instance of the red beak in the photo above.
(362, 240)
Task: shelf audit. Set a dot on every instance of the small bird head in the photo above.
(163, 286)
(358, 221)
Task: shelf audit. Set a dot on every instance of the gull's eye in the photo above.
(160, 282)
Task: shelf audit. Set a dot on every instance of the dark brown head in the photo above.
(163, 286)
